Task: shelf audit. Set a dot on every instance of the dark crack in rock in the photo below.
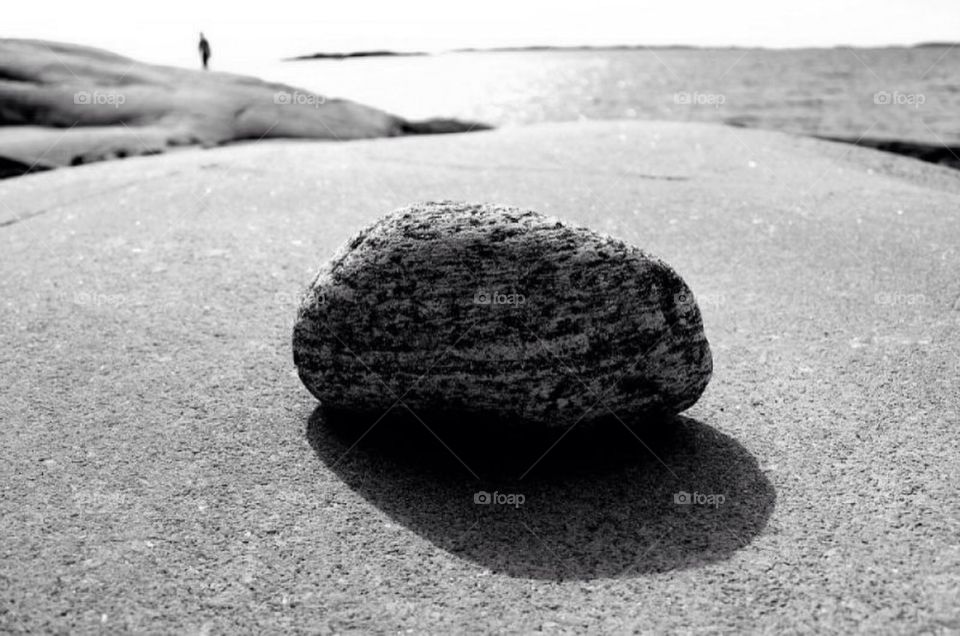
(449, 307)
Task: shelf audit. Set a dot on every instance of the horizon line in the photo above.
(597, 47)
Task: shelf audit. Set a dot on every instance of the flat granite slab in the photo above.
(163, 469)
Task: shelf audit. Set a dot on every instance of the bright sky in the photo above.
(166, 32)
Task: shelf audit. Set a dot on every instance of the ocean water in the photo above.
(910, 94)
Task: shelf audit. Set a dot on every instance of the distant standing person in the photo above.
(204, 51)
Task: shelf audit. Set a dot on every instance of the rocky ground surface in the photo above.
(164, 469)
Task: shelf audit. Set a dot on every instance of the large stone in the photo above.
(459, 307)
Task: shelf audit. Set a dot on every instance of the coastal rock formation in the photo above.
(67, 104)
(14, 168)
(459, 307)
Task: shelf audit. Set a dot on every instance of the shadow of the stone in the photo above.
(602, 502)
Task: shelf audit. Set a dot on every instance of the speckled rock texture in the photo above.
(460, 307)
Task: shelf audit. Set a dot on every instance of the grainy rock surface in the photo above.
(160, 475)
(459, 307)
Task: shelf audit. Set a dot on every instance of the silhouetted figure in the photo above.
(204, 51)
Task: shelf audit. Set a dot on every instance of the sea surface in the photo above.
(910, 94)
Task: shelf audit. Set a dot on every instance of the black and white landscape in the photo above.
(529, 318)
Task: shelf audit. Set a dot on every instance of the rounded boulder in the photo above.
(448, 307)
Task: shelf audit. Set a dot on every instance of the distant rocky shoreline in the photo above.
(66, 105)
(328, 55)
(931, 153)
(353, 54)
